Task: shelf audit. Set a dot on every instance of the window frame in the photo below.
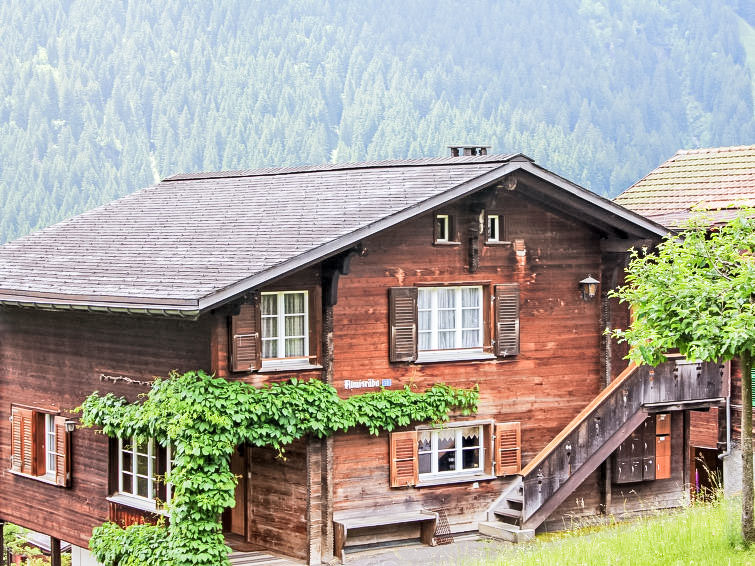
(153, 454)
(458, 452)
(41, 447)
(494, 232)
(458, 329)
(50, 452)
(280, 318)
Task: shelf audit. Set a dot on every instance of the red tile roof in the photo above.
(720, 180)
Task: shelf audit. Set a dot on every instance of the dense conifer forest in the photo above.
(99, 98)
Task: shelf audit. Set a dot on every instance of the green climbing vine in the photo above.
(204, 418)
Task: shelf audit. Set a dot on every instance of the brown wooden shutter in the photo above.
(508, 448)
(507, 319)
(62, 453)
(402, 306)
(245, 339)
(22, 441)
(403, 458)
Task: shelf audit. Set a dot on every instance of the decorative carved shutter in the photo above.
(403, 458)
(507, 319)
(508, 448)
(22, 441)
(402, 306)
(62, 453)
(245, 339)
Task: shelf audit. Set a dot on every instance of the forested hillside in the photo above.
(99, 98)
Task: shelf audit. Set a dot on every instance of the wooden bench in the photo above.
(342, 526)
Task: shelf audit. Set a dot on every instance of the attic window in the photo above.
(494, 228)
(442, 225)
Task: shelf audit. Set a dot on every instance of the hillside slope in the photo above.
(100, 98)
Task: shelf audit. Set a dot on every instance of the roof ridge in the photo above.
(720, 149)
(323, 167)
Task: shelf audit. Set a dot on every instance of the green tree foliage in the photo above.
(204, 418)
(696, 293)
(98, 99)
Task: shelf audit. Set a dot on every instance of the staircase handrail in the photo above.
(576, 421)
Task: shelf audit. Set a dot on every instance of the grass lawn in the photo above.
(700, 534)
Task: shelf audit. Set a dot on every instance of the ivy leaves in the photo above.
(205, 417)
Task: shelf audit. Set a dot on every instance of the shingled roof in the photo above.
(720, 180)
(193, 241)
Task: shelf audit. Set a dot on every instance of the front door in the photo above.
(234, 519)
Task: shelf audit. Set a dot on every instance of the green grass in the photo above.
(700, 534)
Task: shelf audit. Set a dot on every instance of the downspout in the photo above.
(728, 428)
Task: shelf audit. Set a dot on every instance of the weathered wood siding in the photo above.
(556, 374)
(703, 428)
(278, 499)
(54, 359)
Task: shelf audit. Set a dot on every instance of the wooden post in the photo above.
(326, 461)
(54, 551)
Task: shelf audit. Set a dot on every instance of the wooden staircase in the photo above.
(593, 435)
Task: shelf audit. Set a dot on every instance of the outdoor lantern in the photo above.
(589, 287)
(70, 425)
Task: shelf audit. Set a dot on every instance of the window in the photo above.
(463, 451)
(449, 451)
(40, 445)
(51, 455)
(494, 228)
(284, 325)
(450, 318)
(142, 465)
(455, 322)
(442, 228)
(276, 331)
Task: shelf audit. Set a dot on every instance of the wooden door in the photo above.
(234, 519)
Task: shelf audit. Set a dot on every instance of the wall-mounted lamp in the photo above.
(70, 425)
(589, 287)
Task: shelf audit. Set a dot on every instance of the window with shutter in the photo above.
(403, 323)
(403, 458)
(245, 339)
(508, 448)
(40, 445)
(507, 319)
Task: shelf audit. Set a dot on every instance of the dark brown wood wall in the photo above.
(278, 499)
(556, 374)
(54, 359)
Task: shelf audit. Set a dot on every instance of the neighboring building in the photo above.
(717, 182)
(465, 270)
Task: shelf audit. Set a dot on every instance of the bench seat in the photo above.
(342, 526)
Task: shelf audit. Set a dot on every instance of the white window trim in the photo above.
(494, 235)
(50, 453)
(281, 322)
(457, 428)
(131, 493)
(446, 227)
(457, 352)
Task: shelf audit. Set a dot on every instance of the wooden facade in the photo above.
(543, 359)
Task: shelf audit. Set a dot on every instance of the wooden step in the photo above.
(504, 531)
(511, 516)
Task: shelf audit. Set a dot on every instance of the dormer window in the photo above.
(442, 228)
(494, 228)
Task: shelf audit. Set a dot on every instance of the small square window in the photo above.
(442, 228)
(494, 228)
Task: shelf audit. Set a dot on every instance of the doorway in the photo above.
(705, 473)
(235, 518)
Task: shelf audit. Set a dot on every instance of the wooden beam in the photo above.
(54, 551)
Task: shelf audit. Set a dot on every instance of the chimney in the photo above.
(457, 150)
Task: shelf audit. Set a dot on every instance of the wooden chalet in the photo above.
(717, 182)
(470, 270)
